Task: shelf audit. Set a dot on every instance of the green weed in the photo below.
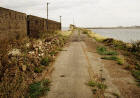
(38, 89)
(45, 61)
(115, 58)
(38, 69)
(136, 74)
(104, 51)
(91, 83)
(120, 61)
(53, 52)
(97, 84)
(101, 86)
(101, 50)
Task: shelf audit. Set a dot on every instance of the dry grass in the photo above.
(65, 33)
(96, 36)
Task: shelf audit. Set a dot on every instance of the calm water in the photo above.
(126, 35)
(65, 28)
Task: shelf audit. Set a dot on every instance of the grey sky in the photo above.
(87, 13)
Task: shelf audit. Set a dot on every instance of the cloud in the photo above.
(84, 12)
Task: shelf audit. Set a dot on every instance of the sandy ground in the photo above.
(79, 63)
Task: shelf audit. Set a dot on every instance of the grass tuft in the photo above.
(120, 61)
(103, 51)
(38, 69)
(97, 84)
(92, 83)
(110, 58)
(53, 52)
(136, 74)
(38, 89)
(101, 86)
(45, 61)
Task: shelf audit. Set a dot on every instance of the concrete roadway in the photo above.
(71, 72)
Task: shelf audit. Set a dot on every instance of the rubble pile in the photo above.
(22, 63)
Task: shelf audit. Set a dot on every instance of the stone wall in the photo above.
(16, 25)
(36, 26)
(12, 24)
(53, 25)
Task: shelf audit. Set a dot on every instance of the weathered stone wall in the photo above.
(36, 26)
(12, 24)
(53, 25)
(16, 25)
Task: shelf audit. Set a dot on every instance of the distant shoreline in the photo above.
(114, 28)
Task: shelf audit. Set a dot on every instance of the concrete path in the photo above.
(79, 63)
(71, 73)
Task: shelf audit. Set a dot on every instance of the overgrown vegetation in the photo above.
(135, 47)
(38, 89)
(131, 52)
(24, 60)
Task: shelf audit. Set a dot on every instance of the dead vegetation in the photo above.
(23, 61)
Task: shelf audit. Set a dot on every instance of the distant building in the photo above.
(72, 27)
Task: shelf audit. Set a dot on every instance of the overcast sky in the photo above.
(85, 13)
